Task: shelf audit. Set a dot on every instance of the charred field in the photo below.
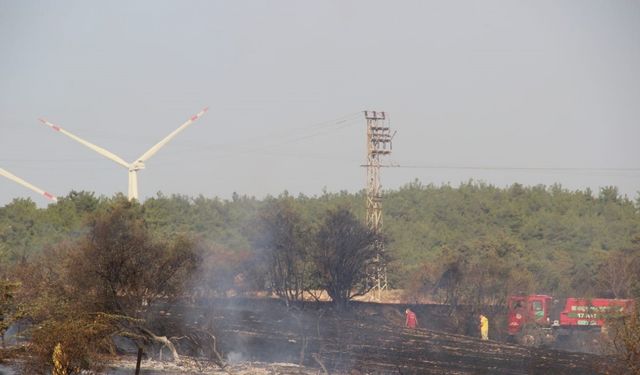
(366, 338)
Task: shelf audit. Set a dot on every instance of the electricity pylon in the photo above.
(378, 145)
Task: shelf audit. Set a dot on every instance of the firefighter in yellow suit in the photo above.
(59, 361)
(484, 327)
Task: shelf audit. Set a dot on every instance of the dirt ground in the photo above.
(263, 336)
(192, 366)
(368, 338)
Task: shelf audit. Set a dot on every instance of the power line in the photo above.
(244, 147)
(341, 125)
(283, 136)
(515, 168)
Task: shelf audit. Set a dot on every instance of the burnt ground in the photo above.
(368, 338)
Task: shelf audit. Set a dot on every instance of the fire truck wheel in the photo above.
(528, 340)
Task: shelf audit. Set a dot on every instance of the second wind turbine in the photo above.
(138, 164)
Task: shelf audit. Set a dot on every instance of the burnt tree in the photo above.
(82, 293)
(343, 256)
(123, 269)
(284, 239)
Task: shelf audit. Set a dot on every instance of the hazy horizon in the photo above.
(534, 92)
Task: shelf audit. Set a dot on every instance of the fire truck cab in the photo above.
(532, 309)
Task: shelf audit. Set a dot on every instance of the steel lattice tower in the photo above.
(378, 145)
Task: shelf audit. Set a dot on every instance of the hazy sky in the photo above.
(478, 84)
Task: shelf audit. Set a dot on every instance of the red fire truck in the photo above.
(540, 319)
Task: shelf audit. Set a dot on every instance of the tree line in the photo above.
(87, 268)
(438, 238)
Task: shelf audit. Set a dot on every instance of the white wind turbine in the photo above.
(24, 183)
(138, 164)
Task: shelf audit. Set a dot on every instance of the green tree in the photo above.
(20, 229)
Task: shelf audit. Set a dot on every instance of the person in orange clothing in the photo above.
(411, 320)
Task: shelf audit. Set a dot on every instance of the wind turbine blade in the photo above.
(163, 142)
(98, 149)
(27, 185)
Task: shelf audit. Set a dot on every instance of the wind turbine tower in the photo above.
(24, 183)
(137, 164)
